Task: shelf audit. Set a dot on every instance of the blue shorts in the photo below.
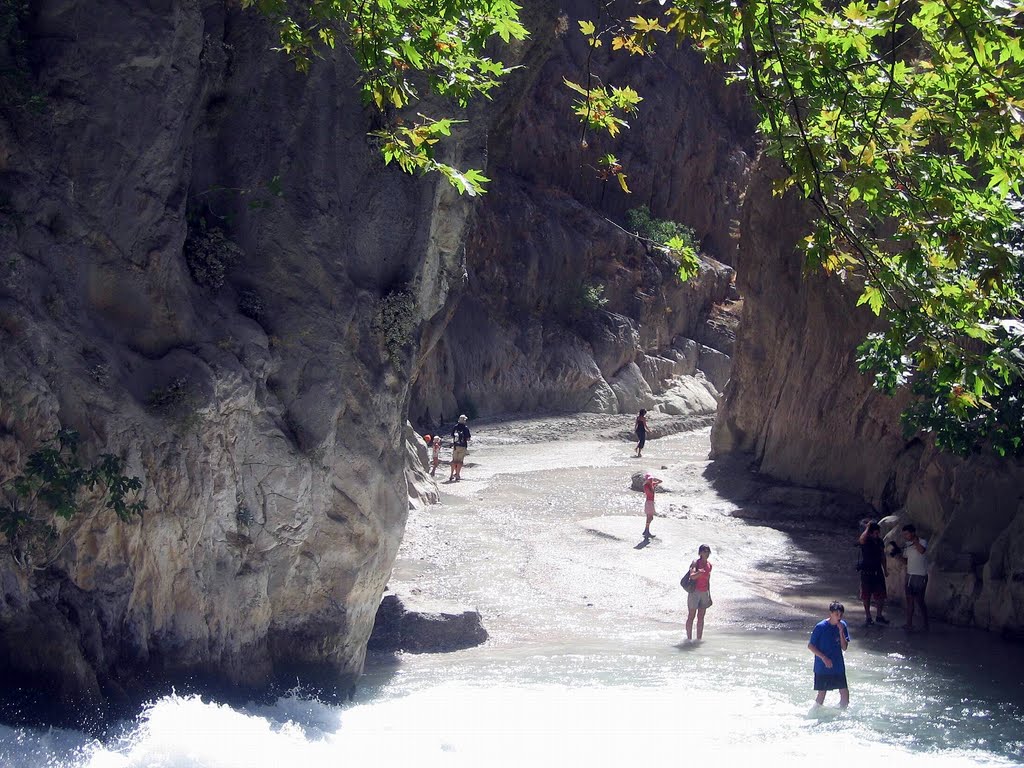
(830, 682)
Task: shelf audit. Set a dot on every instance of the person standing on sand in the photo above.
(641, 431)
(828, 641)
(873, 572)
(650, 483)
(460, 444)
(436, 457)
(698, 601)
(917, 574)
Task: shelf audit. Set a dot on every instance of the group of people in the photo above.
(874, 570)
(831, 636)
(461, 436)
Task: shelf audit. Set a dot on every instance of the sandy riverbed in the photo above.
(543, 536)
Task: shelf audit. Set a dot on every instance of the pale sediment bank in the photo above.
(543, 535)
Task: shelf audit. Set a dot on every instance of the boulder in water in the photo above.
(409, 623)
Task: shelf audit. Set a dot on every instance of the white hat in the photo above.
(463, 419)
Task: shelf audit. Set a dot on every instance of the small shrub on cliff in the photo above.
(590, 297)
(396, 318)
(176, 402)
(250, 304)
(675, 239)
(17, 88)
(51, 486)
(209, 255)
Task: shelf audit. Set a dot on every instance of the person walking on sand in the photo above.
(698, 601)
(460, 444)
(641, 431)
(829, 639)
(650, 483)
(873, 572)
(914, 548)
(436, 457)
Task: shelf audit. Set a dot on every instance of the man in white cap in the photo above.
(460, 442)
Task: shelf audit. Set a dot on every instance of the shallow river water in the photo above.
(587, 661)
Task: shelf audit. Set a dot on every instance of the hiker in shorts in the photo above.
(650, 483)
(698, 601)
(436, 454)
(460, 444)
(873, 572)
(914, 548)
(828, 641)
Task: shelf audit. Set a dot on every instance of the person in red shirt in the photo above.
(699, 600)
(650, 483)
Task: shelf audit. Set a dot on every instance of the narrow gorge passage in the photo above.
(586, 662)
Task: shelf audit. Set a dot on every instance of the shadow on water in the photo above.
(688, 645)
(952, 669)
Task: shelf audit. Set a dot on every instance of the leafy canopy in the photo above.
(403, 48)
(903, 123)
(51, 486)
(675, 239)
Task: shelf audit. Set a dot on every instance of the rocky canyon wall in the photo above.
(797, 406)
(524, 335)
(206, 271)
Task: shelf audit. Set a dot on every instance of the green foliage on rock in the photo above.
(591, 297)
(676, 239)
(250, 304)
(903, 124)
(51, 486)
(176, 402)
(17, 89)
(394, 323)
(209, 255)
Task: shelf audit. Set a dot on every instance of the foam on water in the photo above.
(464, 724)
(586, 664)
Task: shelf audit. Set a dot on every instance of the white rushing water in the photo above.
(587, 662)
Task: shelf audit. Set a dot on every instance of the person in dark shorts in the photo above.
(460, 444)
(873, 572)
(641, 431)
(828, 641)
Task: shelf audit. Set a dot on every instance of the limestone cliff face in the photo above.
(797, 405)
(522, 336)
(266, 417)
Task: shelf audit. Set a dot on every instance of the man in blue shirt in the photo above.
(828, 641)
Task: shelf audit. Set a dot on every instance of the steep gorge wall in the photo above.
(522, 338)
(265, 418)
(798, 408)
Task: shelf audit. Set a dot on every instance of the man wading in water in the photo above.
(828, 641)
